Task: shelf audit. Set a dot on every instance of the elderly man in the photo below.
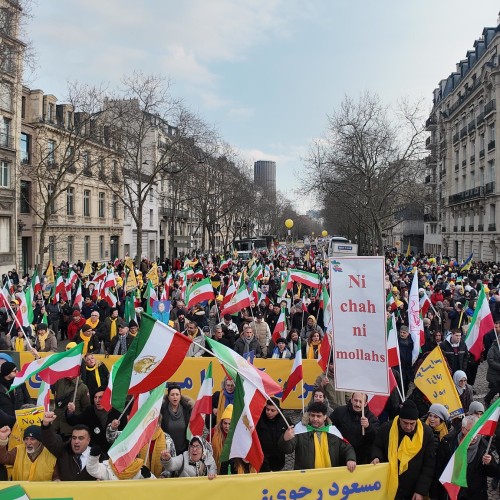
(72, 455)
(120, 344)
(247, 343)
(317, 448)
(408, 445)
(23, 456)
(359, 430)
(262, 333)
(194, 332)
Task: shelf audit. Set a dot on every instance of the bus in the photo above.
(338, 246)
(245, 246)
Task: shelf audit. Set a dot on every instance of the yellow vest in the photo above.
(42, 469)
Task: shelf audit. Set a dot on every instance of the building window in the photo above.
(86, 248)
(25, 198)
(151, 194)
(5, 138)
(492, 131)
(101, 247)
(86, 164)
(491, 171)
(6, 96)
(101, 204)
(70, 201)
(51, 200)
(24, 147)
(51, 113)
(52, 248)
(114, 207)
(4, 174)
(492, 213)
(86, 203)
(51, 148)
(7, 59)
(151, 218)
(101, 169)
(115, 170)
(71, 242)
(69, 120)
(5, 232)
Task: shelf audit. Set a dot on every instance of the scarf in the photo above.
(92, 323)
(130, 472)
(19, 344)
(472, 449)
(97, 375)
(42, 339)
(112, 329)
(457, 376)
(218, 440)
(441, 429)
(225, 399)
(312, 349)
(321, 452)
(85, 340)
(156, 446)
(121, 345)
(401, 453)
(247, 344)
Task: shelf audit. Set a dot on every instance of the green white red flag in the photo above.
(391, 303)
(454, 475)
(25, 310)
(199, 292)
(238, 301)
(43, 398)
(482, 322)
(78, 301)
(280, 326)
(376, 402)
(327, 309)
(305, 277)
(296, 374)
(392, 342)
(151, 296)
(225, 264)
(202, 406)
(153, 357)
(59, 288)
(138, 431)
(325, 351)
(52, 368)
(106, 397)
(284, 285)
(242, 440)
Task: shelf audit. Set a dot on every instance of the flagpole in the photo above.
(210, 428)
(126, 408)
(16, 319)
(251, 381)
(303, 402)
(489, 444)
(76, 388)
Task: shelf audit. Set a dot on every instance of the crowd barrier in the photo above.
(192, 372)
(366, 482)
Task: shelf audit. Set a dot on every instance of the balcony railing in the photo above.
(471, 126)
(489, 188)
(430, 123)
(480, 119)
(491, 106)
(169, 213)
(492, 227)
(469, 194)
(463, 132)
(491, 145)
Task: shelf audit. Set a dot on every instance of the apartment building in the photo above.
(462, 178)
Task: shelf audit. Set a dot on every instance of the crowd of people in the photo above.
(416, 437)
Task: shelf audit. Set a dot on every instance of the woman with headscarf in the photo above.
(195, 462)
(309, 327)
(293, 341)
(219, 435)
(223, 398)
(464, 390)
(176, 411)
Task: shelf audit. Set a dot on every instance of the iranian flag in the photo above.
(43, 398)
(284, 285)
(482, 323)
(153, 357)
(238, 301)
(392, 342)
(151, 296)
(325, 351)
(15, 492)
(455, 474)
(25, 311)
(233, 363)
(59, 288)
(72, 278)
(242, 440)
(202, 406)
(199, 292)
(391, 303)
(106, 293)
(138, 431)
(327, 309)
(225, 264)
(106, 397)
(280, 327)
(198, 274)
(36, 285)
(100, 275)
(296, 374)
(52, 367)
(415, 319)
(304, 277)
(376, 403)
(300, 428)
(78, 302)
(164, 292)
(130, 313)
(425, 303)
(231, 290)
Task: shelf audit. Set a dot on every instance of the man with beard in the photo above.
(23, 456)
(359, 430)
(72, 455)
(408, 445)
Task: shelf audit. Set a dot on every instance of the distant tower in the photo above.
(264, 176)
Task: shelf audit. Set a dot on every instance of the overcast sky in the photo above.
(265, 72)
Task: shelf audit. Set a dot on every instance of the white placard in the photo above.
(358, 300)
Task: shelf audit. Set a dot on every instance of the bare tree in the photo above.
(367, 163)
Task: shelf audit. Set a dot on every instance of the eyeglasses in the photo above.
(195, 446)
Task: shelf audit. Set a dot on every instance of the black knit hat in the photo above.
(7, 368)
(409, 410)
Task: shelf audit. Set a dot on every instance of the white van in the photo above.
(338, 246)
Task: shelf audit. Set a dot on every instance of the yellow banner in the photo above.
(367, 482)
(152, 275)
(29, 416)
(192, 371)
(87, 270)
(131, 283)
(49, 273)
(433, 378)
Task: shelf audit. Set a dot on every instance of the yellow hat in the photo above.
(70, 345)
(398, 303)
(227, 413)
(486, 289)
(220, 297)
(395, 289)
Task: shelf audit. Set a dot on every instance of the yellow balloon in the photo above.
(324, 233)
(289, 223)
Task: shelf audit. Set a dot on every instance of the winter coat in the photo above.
(12, 401)
(195, 351)
(182, 464)
(457, 357)
(50, 343)
(493, 360)
(335, 398)
(64, 390)
(270, 433)
(239, 347)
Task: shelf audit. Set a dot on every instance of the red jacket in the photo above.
(74, 328)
